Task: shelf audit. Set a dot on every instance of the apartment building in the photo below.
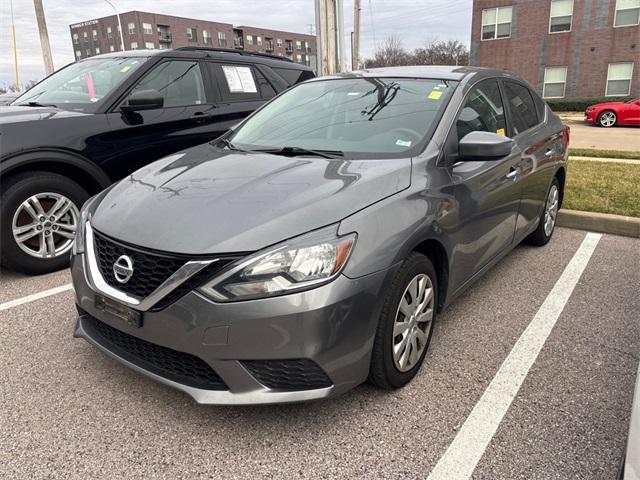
(565, 48)
(144, 30)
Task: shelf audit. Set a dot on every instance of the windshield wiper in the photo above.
(231, 146)
(37, 104)
(295, 151)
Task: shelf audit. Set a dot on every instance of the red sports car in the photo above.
(610, 114)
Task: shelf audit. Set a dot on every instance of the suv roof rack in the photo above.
(239, 52)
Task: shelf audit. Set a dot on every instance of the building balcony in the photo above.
(164, 37)
(238, 43)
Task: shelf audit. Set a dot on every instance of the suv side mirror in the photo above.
(143, 100)
(481, 146)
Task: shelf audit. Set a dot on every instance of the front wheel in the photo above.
(39, 214)
(406, 324)
(607, 119)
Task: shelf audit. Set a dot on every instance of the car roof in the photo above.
(440, 72)
(204, 52)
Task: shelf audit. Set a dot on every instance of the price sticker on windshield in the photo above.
(435, 95)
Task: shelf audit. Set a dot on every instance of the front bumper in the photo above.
(332, 326)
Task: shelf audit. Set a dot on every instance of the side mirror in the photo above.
(481, 146)
(143, 100)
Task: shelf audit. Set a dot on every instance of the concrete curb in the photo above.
(600, 222)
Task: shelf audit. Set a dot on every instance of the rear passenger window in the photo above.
(237, 82)
(482, 111)
(522, 107)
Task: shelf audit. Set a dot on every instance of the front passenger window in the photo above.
(483, 111)
(179, 82)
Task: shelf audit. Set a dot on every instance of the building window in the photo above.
(97, 50)
(147, 29)
(149, 45)
(192, 34)
(259, 40)
(299, 58)
(112, 48)
(134, 45)
(78, 54)
(222, 39)
(298, 45)
(560, 16)
(555, 79)
(88, 52)
(306, 60)
(249, 39)
(109, 32)
(627, 13)
(279, 42)
(206, 39)
(132, 27)
(85, 34)
(75, 38)
(94, 34)
(619, 79)
(496, 23)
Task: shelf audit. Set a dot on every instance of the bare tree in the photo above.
(450, 52)
(390, 54)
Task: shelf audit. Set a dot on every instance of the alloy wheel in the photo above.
(44, 225)
(551, 210)
(608, 119)
(413, 321)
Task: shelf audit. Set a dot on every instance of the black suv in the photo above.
(99, 119)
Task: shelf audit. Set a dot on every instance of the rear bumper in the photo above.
(332, 326)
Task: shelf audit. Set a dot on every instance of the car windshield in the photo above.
(356, 117)
(81, 85)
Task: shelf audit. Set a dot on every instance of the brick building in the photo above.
(143, 30)
(565, 48)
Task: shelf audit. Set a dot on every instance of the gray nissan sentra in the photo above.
(312, 247)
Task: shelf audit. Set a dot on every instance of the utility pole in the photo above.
(44, 37)
(330, 36)
(355, 50)
(15, 48)
(119, 25)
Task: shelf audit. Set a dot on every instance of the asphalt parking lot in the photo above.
(68, 411)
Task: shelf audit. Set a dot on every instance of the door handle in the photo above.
(513, 173)
(200, 117)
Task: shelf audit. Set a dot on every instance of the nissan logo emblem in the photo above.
(123, 269)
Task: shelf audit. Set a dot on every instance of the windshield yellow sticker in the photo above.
(500, 131)
(125, 69)
(435, 95)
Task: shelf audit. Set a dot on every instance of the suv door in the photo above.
(487, 193)
(187, 118)
(541, 148)
(242, 89)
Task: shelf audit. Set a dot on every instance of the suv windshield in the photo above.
(81, 85)
(373, 117)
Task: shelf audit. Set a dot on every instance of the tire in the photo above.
(541, 235)
(384, 370)
(48, 188)
(607, 119)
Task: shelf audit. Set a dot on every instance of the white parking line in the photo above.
(464, 453)
(34, 297)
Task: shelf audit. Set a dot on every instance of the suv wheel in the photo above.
(39, 214)
(406, 324)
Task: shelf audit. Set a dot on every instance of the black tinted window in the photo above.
(266, 88)
(483, 111)
(180, 83)
(522, 106)
(293, 76)
(238, 83)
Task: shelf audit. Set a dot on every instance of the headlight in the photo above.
(85, 215)
(307, 261)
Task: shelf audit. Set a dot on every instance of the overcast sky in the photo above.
(416, 21)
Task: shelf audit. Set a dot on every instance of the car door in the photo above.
(632, 112)
(541, 144)
(187, 118)
(486, 193)
(242, 89)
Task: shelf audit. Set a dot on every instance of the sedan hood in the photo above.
(17, 114)
(205, 200)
